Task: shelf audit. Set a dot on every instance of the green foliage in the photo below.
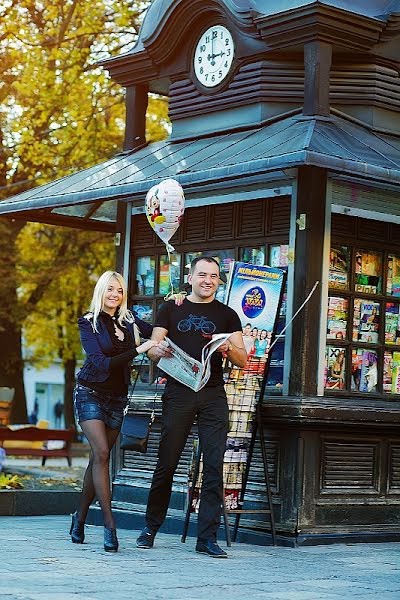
(72, 260)
(59, 113)
(9, 482)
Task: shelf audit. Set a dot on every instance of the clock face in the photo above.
(213, 56)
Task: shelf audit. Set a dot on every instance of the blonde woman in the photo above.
(110, 336)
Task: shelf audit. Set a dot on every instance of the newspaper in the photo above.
(186, 369)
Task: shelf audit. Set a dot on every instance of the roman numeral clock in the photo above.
(213, 56)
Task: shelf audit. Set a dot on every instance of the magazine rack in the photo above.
(245, 389)
(257, 428)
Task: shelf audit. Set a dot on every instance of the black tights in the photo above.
(96, 482)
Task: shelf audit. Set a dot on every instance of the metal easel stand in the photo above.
(190, 501)
(257, 428)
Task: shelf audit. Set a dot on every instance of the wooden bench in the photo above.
(27, 435)
(5, 412)
(6, 398)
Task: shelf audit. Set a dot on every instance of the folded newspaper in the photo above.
(186, 369)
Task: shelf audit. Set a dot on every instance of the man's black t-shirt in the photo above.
(191, 325)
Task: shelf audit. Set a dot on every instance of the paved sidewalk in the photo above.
(38, 562)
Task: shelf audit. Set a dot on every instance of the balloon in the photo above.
(165, 205)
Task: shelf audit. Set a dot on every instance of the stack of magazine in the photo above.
(255, 293)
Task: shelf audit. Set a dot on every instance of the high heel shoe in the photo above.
(77, 530)
(110, 540)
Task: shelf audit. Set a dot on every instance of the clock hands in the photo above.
(211, 57)
(212, 49)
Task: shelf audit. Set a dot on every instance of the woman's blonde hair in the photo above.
(97, 303)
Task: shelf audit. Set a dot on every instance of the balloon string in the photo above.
(170, 267)
(178, 297)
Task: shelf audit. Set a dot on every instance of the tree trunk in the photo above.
(11, 362)
(69, 382)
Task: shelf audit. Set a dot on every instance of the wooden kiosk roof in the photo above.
(89, 198)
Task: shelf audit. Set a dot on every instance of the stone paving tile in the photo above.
(38, 562)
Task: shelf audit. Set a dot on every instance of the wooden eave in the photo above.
(46, 216)
(150, 59)
(320, 22)
(132, 68)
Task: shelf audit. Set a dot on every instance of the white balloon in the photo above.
(165, 205)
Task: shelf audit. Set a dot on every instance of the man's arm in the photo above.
(162, 349)
(234, 347)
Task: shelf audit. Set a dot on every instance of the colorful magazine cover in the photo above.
(396, 373)
(368, 278)
(338, 267)
(337, 318)
(369, 371)
(254, 292)
(393, 275)
(392, 323)
(366, 320)
(387, 372)
(335, 368)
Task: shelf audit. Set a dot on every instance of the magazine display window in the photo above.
(363, 322)
(278, 257)
(169, 273)
(339, 268)
(145, 275)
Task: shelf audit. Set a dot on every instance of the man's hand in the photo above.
(225, 347)
(161, 350)
(234, 347)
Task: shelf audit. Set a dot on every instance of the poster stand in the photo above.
(257, 428)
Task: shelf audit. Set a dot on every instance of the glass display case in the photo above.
(145, 275)
(254, 256)
(169, 273)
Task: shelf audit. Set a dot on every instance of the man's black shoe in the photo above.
(146, 538)
(210, 548)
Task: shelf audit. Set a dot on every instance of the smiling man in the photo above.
(190, 326)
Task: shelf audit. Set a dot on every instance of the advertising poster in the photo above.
(254, 292)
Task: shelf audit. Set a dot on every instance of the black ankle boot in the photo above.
(77, 530)
(110, 540)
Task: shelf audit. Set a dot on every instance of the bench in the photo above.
(27, 435)
(6, 398)
(5, 412)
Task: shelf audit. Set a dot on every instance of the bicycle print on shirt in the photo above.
(193, 322)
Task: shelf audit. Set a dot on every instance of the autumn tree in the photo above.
(59, 113)
(73, 261)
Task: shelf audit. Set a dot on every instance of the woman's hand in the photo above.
(146, 346)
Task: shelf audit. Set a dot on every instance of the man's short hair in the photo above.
(208, 259)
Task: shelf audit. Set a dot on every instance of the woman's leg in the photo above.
(97, 479)
(88, 494)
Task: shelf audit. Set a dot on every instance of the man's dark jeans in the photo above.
(180, 407)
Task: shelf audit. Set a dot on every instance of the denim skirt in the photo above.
(105, 407)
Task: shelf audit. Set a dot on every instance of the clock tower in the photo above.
(209, 59)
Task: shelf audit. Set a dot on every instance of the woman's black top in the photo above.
(121, 352)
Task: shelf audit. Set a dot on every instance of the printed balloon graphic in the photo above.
(165, 205)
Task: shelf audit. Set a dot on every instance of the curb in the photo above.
(37, 503)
